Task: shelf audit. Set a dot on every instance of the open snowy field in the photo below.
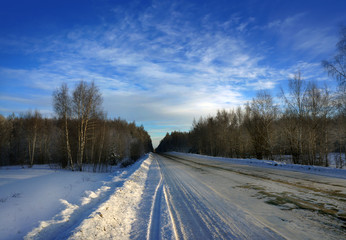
(175, 196)
(42, 203)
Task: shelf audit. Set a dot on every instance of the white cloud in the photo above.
(15, 99)
(294, 33)
(168, 69)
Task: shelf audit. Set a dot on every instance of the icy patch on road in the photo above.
(113, 219)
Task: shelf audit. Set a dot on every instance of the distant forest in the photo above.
(307, 124)
(80, 136)
(310, 124)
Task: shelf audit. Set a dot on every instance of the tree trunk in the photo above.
(69, 155)
(33, 148)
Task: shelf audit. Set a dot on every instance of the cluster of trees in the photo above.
(307, 124)
(80, 135)
(310, 123)
(175, 141)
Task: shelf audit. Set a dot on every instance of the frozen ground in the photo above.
(41, 203)
(28, 196)
(175, 196)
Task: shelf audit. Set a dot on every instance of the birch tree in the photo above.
(260, 116)
(32, 125)
(62, 107)
(294, 115)
(86, 103)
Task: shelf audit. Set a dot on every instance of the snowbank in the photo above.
(42, 203)
(30, 195)
(113, 219)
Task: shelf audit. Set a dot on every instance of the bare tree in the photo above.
(6, 127)
(87, 134)
(222, 138)
(259, 119)
(294, 115)
(86, 103)
(337, 66)
(340, 124)
(32, 126)
(318, 111)
(62, 107)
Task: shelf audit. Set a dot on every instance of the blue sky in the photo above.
(162, 63)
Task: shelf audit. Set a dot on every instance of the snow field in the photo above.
(42, 203)
(28, 196)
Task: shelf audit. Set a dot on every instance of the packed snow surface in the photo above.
(252, 199)
(175, 196)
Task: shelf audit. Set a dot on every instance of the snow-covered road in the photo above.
(210, 199)
(175, 196)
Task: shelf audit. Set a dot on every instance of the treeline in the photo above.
(79, 136)
(309, 124)
(306, 123)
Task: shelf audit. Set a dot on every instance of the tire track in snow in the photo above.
(324, 197)
(309, 205)
(155, 219)
(201, 214)
(160, 205)
(186, 208)
(174, 225)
